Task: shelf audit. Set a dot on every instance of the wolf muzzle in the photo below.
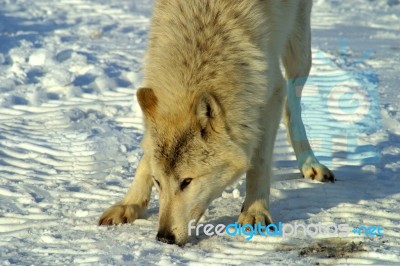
(165, 237)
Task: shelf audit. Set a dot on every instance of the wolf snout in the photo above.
(166, 237)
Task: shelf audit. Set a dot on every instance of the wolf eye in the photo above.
(185, 183)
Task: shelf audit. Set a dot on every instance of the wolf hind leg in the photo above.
(297, 62)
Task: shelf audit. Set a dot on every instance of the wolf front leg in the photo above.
(256, 205)
(135, 201)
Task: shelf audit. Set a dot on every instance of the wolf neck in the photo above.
(202, 49)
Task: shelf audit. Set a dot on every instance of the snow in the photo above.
(70, 129)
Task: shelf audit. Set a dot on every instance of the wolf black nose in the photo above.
(165, 237)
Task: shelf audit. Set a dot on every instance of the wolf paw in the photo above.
(120, 214)
(317, 171)
(254, 217)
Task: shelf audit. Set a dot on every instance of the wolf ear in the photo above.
(147, 101)
(209, 114)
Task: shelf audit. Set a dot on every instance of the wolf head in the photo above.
(192, 157)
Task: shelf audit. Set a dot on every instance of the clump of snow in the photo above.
(40, 57)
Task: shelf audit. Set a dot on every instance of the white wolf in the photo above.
(212, 97)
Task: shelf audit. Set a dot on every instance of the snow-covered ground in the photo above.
(70, 130)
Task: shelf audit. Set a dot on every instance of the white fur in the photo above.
(212, 98)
